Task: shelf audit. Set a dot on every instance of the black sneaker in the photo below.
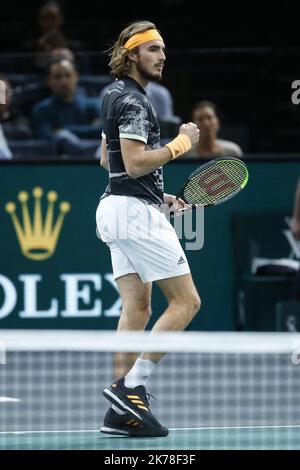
(134, 401)
(125, 425)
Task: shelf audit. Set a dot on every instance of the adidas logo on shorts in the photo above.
(181, 260)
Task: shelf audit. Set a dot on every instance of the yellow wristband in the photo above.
(180, 145)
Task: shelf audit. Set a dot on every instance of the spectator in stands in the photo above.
(296, 233)
(161, 99)
(67, 116)
(14, 124)
(60, 53)
(52, 36)
(82, 61)
(53, 45)
(5, 153)
(51, 19)
(50, 41)
(29, 93)
(209, 146)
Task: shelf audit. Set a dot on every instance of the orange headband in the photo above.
(140, 38)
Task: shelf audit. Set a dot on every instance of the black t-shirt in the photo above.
(127, 113)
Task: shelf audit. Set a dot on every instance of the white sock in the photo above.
(117, 410)
(139, 373)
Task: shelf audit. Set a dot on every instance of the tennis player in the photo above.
(131, 221)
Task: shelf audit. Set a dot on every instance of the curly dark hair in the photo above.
(119, 61)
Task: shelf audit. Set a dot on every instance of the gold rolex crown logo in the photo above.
(37, 236)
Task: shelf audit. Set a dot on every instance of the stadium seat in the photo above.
(256, 296)
(32, 149)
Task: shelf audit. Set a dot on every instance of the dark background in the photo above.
(184, 23)
(244, 57)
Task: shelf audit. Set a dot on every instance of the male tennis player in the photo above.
(144, 246)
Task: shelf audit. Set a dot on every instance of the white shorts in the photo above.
(140, 238)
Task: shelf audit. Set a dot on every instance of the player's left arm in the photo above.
(104, 159)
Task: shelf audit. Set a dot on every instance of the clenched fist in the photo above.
(191, 130)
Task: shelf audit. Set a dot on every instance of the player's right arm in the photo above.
(140, 161)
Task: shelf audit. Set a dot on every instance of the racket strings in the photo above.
(235, 172)
(210, 186)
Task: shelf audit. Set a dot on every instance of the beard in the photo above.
(150, 77)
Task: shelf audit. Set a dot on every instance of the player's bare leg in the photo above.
(136, 311)
(184, 302)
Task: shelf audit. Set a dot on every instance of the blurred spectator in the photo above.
(14, 125)
(67, 117)
(29, 93)
(50, 41)
(54, 46)
(52, 36)
(296, 232)
(51, 19)
(5, 153)
(209, 146)
(61, 53)
(161, 99)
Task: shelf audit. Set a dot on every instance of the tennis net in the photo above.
(213, 390)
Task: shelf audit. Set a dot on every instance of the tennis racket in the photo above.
(215, 182)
